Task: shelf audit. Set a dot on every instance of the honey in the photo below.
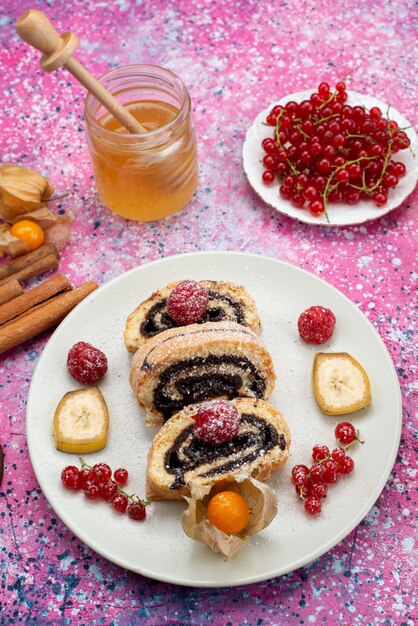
(151, 175)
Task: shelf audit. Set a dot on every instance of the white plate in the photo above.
(339, 214)
(158, 548)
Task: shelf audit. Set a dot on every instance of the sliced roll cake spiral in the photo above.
(226, 302)
(182, 366)
(179, 460)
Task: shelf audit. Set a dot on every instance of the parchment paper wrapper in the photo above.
(262, 504)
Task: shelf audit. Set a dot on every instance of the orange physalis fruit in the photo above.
(229, 512)
(29, 232)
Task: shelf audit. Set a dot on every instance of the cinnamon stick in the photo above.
(42, 317)
(7, 269)
(9, 291)
(49, 288)
(38, 267)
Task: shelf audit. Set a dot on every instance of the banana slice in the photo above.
(81, 421)
(340, 383)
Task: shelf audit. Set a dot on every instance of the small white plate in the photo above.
(339, 214)
(158, 547)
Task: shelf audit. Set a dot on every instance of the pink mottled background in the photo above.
(235, 57)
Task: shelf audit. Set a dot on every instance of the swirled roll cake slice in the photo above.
(179, 460)
(182, 366)
(226, 302)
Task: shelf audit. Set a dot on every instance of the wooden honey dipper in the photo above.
(35, 29)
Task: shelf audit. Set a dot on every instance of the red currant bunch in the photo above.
(324, 151)
(98, 482)
(311, 483)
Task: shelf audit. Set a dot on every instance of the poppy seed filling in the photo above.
(202, 378)
(220, 308)
(256, 437)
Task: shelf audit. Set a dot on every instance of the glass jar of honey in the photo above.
(150, 175)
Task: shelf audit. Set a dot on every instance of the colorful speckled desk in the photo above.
(235, 57)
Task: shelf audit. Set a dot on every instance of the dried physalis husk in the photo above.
(9, 245)
(21, 190)
(57, 230)
(262, 504)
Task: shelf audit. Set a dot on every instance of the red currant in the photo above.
(345, 433)
(380, 198)
(316, 99)
(92, 490)
(324, 91)
(315, 149)
(320, 452)
(305, 109)
(310, 193)
(316, 474)
(137, 511)
(297, 200)
(318, 491)
(300, 473)
(399, 168)
(375, 113)
(85, 476)
(342, 176)
(330, 471)
(277, 110)
(313, 506)
(346, 465)
(121, 476)
(341, 97)
(101, 473)
(319, 182)
(71, 478)
(281, 169)
(269, 146)
(109, 490)
(354, 170)
(291, 107)
(338, 454)
(285, 192)
(316, 207)
(266, 142)
(289, 181)
(268, 177)
(270, 161)
(120, 502)
(329, 152)
(323, 166)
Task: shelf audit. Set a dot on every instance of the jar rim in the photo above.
(91, 99)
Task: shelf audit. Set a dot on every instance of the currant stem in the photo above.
(58, 197)
(357, 438)
(134, 498)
